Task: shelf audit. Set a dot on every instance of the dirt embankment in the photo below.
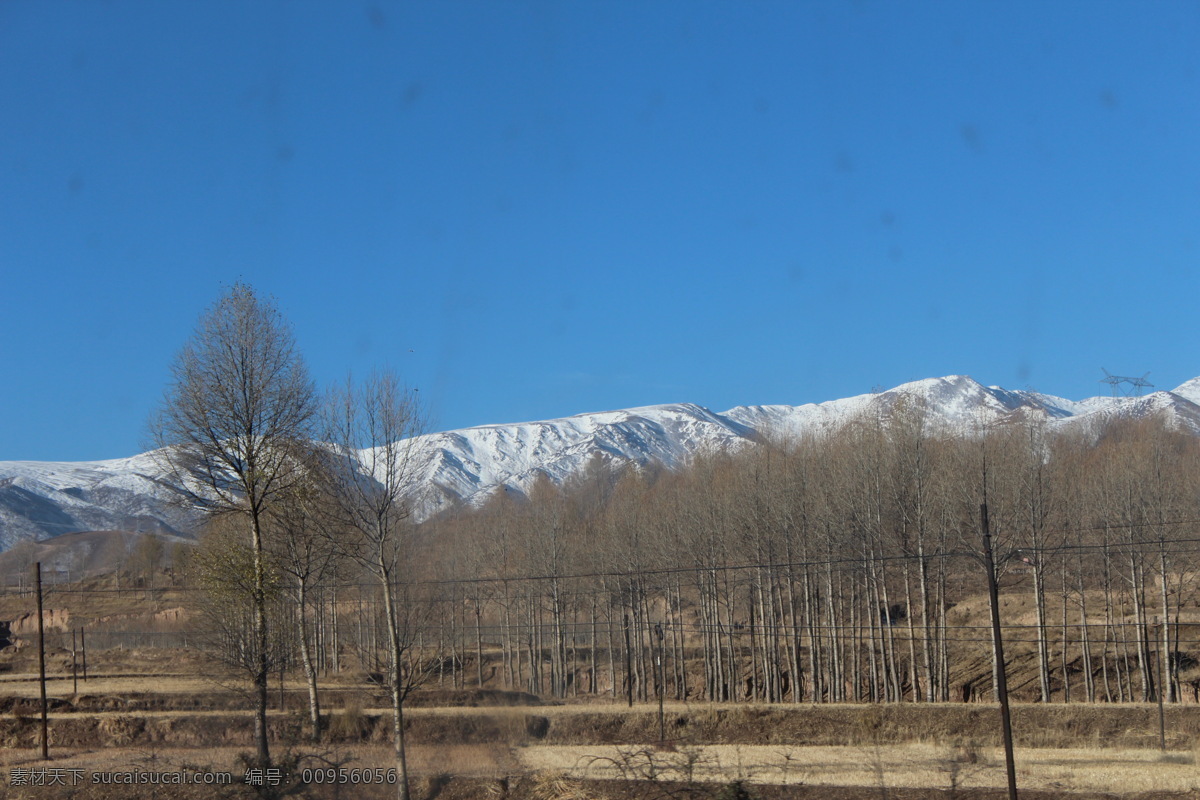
(167, 615)
(92, 719)
(1034, 725)
(53, 619)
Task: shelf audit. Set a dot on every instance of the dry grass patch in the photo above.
(916, 766)
(26, 685)
(553, 785)
(466, 760)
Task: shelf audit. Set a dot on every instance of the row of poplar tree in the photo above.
(844, 567)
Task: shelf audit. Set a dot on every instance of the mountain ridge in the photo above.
(466, 465)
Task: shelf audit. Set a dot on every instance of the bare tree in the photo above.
(222, 568)
(306, 555)
(146, 558)
(374, 429)
(239, 404)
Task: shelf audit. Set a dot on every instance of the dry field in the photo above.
(602, 751)
(147, 710)
(1080, 772)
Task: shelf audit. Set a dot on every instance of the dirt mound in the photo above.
(471, 698)
(150, 701)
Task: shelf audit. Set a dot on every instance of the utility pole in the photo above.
(998, 641)
(628, 663)
(42, 664)
(658, 663)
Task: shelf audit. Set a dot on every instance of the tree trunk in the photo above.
(1063, 656)
(262, 664)
(334, 632)
(478, 644)
(396, 680)
(913, 681)
(1043, 644)
(1085, 641)
(310, 671)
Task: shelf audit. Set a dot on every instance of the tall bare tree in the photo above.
(233, 421)
(374, 428)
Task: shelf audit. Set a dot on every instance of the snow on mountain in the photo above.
(1189, 390)
(1179, 411)
(953, 403)
(40, 499)
(468, 464)
(44, 499)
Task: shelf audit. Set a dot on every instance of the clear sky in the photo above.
(537, 209)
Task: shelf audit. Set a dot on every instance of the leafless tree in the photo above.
(306, 555)
(374, 428)
(235, 417)
(827, 568)
(146, 558)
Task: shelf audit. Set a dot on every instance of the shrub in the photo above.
(350, 723)
(736, 791)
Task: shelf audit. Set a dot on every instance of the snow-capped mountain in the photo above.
(40, 499)
(44, 499)
(467, 465)
(958, 403)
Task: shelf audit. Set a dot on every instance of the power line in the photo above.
(853, 561)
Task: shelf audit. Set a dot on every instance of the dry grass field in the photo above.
(598, 751)
(1082, 772)
(163, 710)
(166, 709)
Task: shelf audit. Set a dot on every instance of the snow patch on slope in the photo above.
(471, 463)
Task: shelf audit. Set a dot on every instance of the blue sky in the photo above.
(537, 209)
